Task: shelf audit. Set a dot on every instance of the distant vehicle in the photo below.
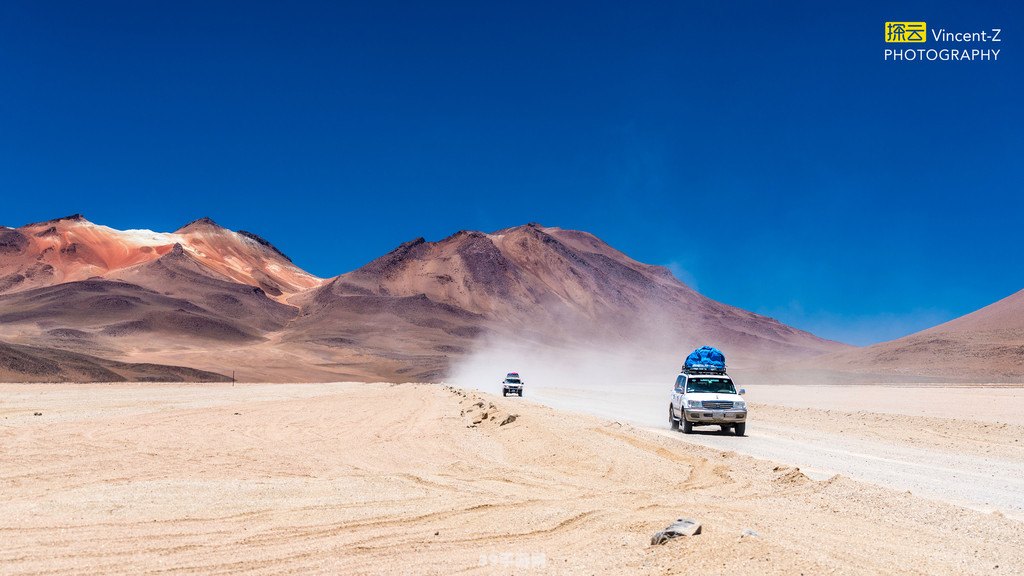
(512, 384)
(704, 395)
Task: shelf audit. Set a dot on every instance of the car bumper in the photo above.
(701, 416)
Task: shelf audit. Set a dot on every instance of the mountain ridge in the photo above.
(214, 299)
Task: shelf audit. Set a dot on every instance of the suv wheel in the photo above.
(672, 422)
(687, 426)
(740, 429)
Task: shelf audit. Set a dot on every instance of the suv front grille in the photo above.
(717, 404)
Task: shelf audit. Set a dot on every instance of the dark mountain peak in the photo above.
(391, 262)
(71, 218)
(532, 233)
(199, 224)
(463, 234)
(528, 227)
(264, 242)
(178, 249)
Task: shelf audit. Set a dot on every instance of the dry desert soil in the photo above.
(430, 479)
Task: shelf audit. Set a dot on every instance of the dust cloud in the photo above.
(622, 382)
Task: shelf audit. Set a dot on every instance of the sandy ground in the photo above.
(414, 479)
(963, 445)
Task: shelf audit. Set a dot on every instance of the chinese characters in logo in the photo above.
(906, 31)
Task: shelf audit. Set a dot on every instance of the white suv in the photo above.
(707, 398)
(512, 384)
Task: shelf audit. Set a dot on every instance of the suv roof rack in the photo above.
(716, 371)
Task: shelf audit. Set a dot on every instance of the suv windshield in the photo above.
(512, 380)
(710, 385)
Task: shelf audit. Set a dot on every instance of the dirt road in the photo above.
(423, 479)
(963, 445)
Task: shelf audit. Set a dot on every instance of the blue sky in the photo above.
(766, 154)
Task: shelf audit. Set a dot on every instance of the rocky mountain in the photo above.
(72, 248)
(544, 285)
(218, 300)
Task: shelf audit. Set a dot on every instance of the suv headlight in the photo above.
(693, 404)
(739, 405)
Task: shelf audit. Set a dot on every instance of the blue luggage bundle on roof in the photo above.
(705, 358)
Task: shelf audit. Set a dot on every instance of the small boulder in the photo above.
(681, 527)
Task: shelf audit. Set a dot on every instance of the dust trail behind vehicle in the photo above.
(956, 444)
(571, 378)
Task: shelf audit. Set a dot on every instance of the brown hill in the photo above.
(182, 275)
(984, 346)
(31, 364)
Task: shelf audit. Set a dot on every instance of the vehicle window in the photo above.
(710, 385)
(680, 380)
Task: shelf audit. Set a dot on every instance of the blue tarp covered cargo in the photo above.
(705, 358)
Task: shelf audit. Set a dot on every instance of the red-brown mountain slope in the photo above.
(531, 283)
(72, 248)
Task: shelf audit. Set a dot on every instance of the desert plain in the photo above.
(357, 478)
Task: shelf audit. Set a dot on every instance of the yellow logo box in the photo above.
(906, 32)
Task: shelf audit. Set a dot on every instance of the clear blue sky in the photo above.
(768, 155)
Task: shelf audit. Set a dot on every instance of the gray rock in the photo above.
(681, 527)
(684, 527)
